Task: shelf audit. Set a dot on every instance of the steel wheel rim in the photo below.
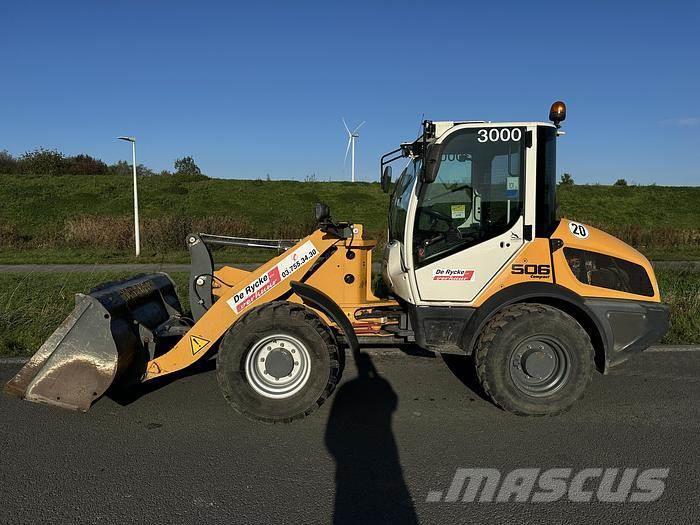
(278, 366)
(540, 365)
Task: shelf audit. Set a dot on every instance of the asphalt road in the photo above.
(371, 454)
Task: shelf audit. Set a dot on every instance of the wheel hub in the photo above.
(540, 366)
(278, 366)
(279, 363)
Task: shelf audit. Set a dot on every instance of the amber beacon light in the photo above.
(557, 113)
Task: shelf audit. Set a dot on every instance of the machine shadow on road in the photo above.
(462, 367)
(126, 394)
(369, 482)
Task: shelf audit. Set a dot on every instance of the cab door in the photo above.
(469, 222)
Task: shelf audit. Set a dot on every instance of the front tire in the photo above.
(534, 360)
(278, 363)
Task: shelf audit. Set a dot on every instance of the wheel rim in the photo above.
(540, 366)
(278, 366)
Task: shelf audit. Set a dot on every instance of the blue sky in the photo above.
(260, 88)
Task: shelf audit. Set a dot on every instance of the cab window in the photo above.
(477, 194)
(400, 199)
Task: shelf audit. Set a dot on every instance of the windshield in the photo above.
(400, 200)
(477, 194)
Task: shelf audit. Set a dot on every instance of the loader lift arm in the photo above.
(202, 264)
(270, 281)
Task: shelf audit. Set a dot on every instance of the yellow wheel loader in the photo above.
(476, 262)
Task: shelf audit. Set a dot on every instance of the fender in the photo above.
(547, 293)
(325, 304)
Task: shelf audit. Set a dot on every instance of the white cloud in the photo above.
(684, 121)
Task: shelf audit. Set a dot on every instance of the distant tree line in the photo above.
(567, 180)
(52, 162)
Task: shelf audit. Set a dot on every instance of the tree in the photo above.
(620, 182)
(43, 162)
(566, 180)
(186, 166)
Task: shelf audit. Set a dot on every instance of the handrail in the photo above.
(249, 242)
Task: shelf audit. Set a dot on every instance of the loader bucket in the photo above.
(108, 338)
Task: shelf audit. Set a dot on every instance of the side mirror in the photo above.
(386, 179)
(429, 171)
(322, 212)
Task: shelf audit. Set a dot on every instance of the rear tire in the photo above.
(278, 363)
(534, 360)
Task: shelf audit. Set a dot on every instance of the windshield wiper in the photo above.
(452, 190)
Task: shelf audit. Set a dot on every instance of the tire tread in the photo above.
(484, 345)
(297, 313)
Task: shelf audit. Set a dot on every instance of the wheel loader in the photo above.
(476, 262)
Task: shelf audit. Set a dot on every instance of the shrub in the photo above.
(144, 171)
(85, 165)
(10, 236)
(620, 182)
(159, 234)
(43, 162)
(116, 233)
(8, 164)
(120, 168)
(652, 237)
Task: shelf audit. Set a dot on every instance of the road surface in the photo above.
(372, 454)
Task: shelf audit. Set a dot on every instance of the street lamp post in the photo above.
(137, 233)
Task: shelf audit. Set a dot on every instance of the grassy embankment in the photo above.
(87, 219)
(32, 305)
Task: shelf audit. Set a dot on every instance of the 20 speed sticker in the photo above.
(452, 274)
(275, 275)
(578, 229)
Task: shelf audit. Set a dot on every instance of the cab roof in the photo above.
(441, 126)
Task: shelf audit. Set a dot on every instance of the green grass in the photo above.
(680, 289)
(663, 222)
(32, 305)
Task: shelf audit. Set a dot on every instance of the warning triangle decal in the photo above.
(198, 343)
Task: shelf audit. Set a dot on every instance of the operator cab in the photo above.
(469, 195)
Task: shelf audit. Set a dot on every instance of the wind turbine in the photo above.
(352, 135)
